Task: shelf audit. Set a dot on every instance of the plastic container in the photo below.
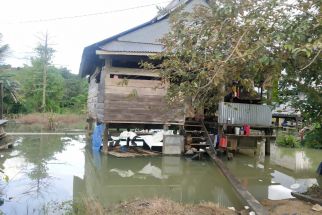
(223, 142)
(237, 130)
(241, 131)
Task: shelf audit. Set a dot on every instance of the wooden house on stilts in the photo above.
(124, 95)
(121, 93)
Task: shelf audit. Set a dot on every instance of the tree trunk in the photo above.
(269, 96)
(43, 106)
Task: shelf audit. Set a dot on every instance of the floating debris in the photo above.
(295, 186)
(317, 207)
(123, 173)
(231, 208)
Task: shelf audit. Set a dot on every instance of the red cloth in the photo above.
(247, 130)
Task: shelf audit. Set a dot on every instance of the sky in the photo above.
(23, 25)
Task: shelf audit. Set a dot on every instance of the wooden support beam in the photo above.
(268, 132)
(242, 191)
(1, 100)
(105, 139)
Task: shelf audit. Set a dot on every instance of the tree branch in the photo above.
(311, 60)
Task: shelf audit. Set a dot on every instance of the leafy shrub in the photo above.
(288, 141)
(313, 139)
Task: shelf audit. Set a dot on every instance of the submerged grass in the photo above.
(50, 121)
(286, 140)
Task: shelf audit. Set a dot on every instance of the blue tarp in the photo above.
(97, 137)
(319, 170)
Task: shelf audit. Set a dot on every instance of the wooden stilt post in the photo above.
(89, 126)
(105, 140)
(268, 142)
(1, 100)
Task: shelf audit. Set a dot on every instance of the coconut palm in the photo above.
(3, 49)
(11, 87)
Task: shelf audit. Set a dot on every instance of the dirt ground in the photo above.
(289, 207)
(161, 206)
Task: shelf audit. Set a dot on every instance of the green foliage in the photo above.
(75, 92)
(3, 49)
(210, 47)
(302, 73)
(313, 138)
(252, 41)
(65, 92)
(288, 141)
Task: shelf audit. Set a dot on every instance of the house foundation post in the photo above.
(268, 142)
(105, 139)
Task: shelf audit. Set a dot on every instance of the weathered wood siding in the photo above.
(137, 101)
(95, 100)
(100, 97)
(92, 98)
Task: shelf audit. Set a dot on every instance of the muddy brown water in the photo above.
(43, 169)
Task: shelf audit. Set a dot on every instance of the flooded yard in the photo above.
(42, 170)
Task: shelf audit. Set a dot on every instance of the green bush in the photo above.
(288, 141)
(313, 139)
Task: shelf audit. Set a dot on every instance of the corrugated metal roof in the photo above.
(149, 34)
(123, 46)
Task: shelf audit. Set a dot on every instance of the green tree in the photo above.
(75, 93)
(10, 86)
(209, 48)
(33, 88)
(301, 80)
(3, 49)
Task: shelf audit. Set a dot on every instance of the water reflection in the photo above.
(35, 173)
(59, 168)
(116, 179)
(276, 176)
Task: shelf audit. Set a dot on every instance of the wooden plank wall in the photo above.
(92, 98)
(138, 101)
(100, 97)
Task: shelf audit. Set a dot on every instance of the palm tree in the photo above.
(9, 85)
(3, 49)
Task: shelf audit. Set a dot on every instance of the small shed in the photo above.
(233, 116)
(120, 91)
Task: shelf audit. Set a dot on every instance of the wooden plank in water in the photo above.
(306, 198)
(242, 192)
(134, 152)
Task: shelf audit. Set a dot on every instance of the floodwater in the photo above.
(57, 168)
(41, 169)
(274, 177)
